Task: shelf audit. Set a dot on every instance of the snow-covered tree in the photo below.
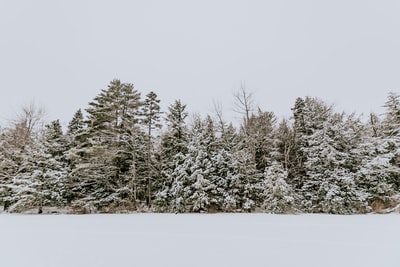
(284, 145)
(151, 121)
(9, 160)
(380, 172)
(279, 197)
(258, 136)
(377, 175)
(173, 147)
(75, 127)
(326, 168)
(16, 141)
(114, 158)
(391, 122)
(191, 178)
(174, 139)
(102, 159)
(41, 177)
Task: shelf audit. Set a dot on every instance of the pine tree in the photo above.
(391, 123)
(191, 187)
(326, 166)
(284, 145)
(336, 167)
(296, 172)
(374, 176)
(16, 141)
(9, 160)
(245, 182)
(102, 160)
(151, 121)
(380, 172)
(77, 124)
(279, 197)
(75, 128)
(173, 141)
(172, 150)
(41, 177)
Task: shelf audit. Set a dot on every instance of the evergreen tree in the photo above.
(284, 145)
(245, 186)
(279, 197)
(77, 124)
(40, 179)
(331, 169)
(172, 150)
(174, 139)
(16, 141)
(76, 128)
(376, 173)
(190, 190)
(103, 158)
(113, 159)
(296, 172)
(326, 166)
(151, 120)
(380, 172)
(9, 160)
(391, 123)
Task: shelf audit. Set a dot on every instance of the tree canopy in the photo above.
(122, 153)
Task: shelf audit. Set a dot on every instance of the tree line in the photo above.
(115, 156)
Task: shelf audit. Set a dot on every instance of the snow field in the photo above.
(170, 240)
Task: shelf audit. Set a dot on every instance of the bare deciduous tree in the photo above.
(244, 104)
(26, 125)
(217, 107)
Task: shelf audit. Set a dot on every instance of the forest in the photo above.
(123, 154)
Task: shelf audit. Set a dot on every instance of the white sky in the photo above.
(61, 53)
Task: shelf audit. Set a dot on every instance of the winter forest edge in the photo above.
(122, 154)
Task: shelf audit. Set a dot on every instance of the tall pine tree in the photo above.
(103, 158)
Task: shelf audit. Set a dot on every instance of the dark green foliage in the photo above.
(103, 154)
(150, 120)
(77, 124)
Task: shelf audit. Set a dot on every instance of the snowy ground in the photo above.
(199, 240)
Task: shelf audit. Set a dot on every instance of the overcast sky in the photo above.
(61, 53)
